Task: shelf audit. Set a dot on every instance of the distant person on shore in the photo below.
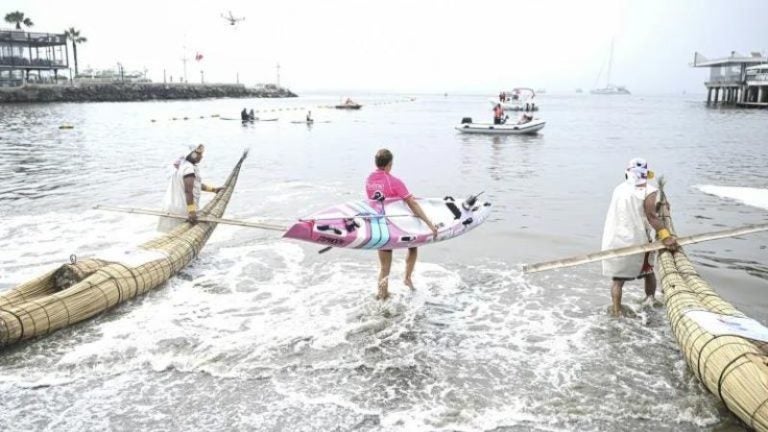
(309, 117)
(252, 114)
(379, 186)
(182, 196)
(501, 96)
(244, 115)
(630, 220)
(498, 114)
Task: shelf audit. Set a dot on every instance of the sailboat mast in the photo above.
(610, 64)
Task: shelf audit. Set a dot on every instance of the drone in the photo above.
(232, 19)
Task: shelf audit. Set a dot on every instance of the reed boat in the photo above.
(82, 289)
(723, 347)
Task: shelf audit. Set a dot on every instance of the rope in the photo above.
(18, 318)
(722, 378)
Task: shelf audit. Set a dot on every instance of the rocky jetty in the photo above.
(119, 92)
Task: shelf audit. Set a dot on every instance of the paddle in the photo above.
(208, 219)
(649, 247)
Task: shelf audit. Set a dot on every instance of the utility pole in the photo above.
(202, 77)
(184, 61)
(278, 75)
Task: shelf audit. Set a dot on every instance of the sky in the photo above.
(413, 46)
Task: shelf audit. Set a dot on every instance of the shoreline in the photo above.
(131, 92)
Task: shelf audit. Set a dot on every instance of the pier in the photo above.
(736, 80)
(123, 92)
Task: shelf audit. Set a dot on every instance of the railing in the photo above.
(19, 36)
(728, 79)
(757, 77)
(22, 62)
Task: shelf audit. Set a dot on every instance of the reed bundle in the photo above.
(733, 368)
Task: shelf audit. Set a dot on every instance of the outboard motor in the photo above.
(466, 120)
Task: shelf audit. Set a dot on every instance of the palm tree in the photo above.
(74, 35)
(18, 18)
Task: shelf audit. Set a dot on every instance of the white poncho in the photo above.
(627, 225)
(175, 200)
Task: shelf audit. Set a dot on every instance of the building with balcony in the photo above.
(737, 79)
(35, 57)
(756, 92)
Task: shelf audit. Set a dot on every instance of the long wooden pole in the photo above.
(649, 247)
(199, 218)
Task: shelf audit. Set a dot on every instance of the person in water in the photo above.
(631, 217)
(244, 115)
(309, 117)
(251, 115)
(182, 195)
(498, 114)
(381, 185)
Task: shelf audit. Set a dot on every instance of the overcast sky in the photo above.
(413, 46)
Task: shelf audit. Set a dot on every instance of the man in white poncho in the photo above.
(630, 219)
(183, 193)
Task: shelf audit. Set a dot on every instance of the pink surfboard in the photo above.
(367, 224)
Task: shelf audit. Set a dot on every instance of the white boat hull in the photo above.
(526, 105)
(531, 127)
(611, 91)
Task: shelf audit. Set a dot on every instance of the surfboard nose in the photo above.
(299, 231)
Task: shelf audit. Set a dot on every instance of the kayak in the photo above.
(369, 224)
(531, 127)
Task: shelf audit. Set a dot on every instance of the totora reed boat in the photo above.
(79, 290)
(726, 350)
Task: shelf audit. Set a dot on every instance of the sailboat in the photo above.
(609, 88)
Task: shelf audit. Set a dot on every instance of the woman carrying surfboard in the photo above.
(379, 186)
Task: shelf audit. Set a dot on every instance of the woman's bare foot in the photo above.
(409, 284)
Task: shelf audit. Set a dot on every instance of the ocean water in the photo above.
(260, 333)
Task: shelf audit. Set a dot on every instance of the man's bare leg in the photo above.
(410, 263)
(616, 297)
(385, 264)
(650, 289)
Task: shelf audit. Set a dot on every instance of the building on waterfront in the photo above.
(737, 79)
(31, 57)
